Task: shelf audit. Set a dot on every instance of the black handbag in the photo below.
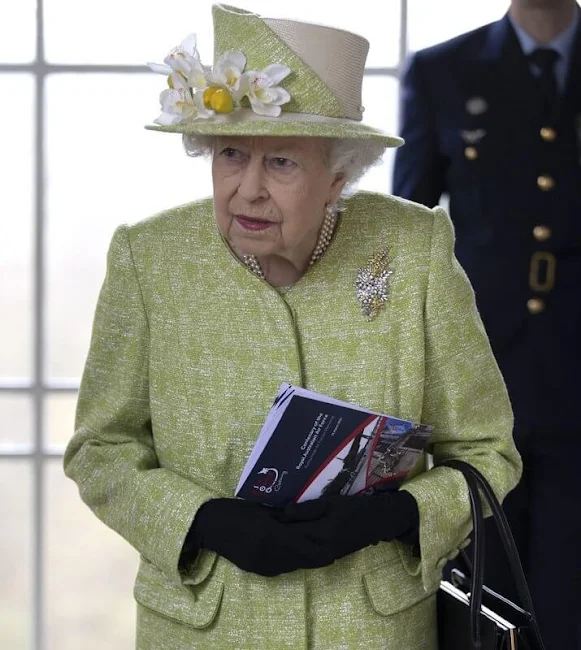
(470, 615)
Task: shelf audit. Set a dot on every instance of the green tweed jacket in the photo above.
(188, 350)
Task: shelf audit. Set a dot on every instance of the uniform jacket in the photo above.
(474, 129)
(187, 353)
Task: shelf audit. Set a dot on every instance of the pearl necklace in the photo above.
(323, 241)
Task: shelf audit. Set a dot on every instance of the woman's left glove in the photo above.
(252, 537)
(345, 524)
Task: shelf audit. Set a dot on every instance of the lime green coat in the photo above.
(188, 350)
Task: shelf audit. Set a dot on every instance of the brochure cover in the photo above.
(313, 445)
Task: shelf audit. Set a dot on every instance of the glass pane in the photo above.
(15, 555)
(139, 33)
(17, 31)
(59, 416)
(89, 574)
(380, 98)
(136, 31)
(15, 420)
(16, 226)
(104, 169)
(432, 22)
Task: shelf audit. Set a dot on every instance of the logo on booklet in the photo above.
(270, 479)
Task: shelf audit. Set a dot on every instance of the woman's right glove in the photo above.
(345, 524)
(251, 537)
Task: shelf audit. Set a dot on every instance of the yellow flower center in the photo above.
(220, 100)
(208, 93)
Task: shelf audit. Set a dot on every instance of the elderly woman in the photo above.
(208, 307)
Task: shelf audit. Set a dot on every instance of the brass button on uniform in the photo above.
(471, 153)
(535, 305)
(542, 233)
(548, 134)
(546, 182)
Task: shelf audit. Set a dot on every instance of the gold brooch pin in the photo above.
(372, 284)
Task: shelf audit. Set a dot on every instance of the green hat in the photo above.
(271, 77)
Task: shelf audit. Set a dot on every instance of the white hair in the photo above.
(349, 156)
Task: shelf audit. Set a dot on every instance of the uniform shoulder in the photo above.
(454, 50)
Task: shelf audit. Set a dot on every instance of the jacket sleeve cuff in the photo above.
(197, 571)
(445, 523)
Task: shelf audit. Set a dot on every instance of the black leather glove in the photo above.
(345, 524)
(252, 537)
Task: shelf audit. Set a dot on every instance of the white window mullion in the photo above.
(38, 574)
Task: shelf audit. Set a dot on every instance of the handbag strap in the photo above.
(477, 573)
(478, 487)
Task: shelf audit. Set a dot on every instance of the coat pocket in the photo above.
(191, 605)
(391, 589)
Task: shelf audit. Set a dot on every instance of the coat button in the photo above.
(535, 305)
(546, 182)
(548, 134)
(542, 233)
(471, 153)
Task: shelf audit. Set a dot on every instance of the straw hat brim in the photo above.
(244, 122)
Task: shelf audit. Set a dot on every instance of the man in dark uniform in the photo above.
(493, 119)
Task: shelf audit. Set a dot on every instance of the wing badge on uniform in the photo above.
(473, 137)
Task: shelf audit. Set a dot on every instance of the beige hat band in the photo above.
(248, 115)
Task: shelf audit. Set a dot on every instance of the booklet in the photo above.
(313, 445)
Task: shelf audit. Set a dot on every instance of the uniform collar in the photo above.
(502, 38)
(562, 43)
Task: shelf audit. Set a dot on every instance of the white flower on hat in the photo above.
(227, 72)
(179, 105)
(225, 88)
(183, 66)
(265, 96)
